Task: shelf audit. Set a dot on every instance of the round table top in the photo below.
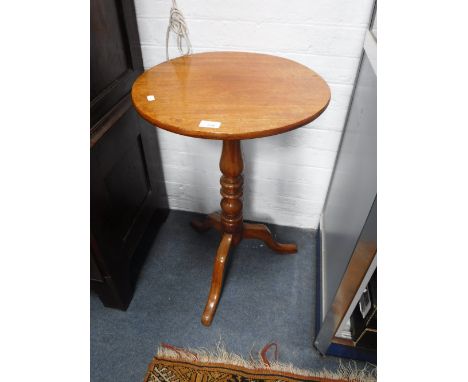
(230, 95)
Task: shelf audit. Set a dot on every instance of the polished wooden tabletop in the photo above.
(246, 95)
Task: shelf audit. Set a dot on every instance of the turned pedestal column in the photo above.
(231, 166)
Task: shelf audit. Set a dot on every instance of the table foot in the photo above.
(217, 279)
(261, 232)
(210, 221)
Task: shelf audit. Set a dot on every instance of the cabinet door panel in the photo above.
(115, 54)
(122, 190)
(107, 39)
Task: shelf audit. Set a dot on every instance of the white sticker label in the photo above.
(210, 124)
(150, 98)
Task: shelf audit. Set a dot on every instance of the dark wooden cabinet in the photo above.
(126, 177)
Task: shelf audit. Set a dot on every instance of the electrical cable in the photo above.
(179, 27)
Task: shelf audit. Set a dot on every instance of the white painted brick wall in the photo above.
(286, 176)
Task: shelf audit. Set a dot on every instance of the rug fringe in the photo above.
(348, 372)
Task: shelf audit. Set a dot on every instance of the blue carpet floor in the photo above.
(266, 297)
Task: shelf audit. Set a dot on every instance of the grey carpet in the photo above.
(266, 297)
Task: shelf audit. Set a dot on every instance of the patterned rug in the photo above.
(173, 364)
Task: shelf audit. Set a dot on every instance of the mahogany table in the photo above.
(230, 96)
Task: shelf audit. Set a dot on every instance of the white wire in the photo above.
(178, 26)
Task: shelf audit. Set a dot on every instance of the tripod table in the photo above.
(230, 96)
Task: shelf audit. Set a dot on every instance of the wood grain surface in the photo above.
(252, 95)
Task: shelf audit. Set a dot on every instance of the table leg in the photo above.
(217, 279)
(211, 221)
(261, 232)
